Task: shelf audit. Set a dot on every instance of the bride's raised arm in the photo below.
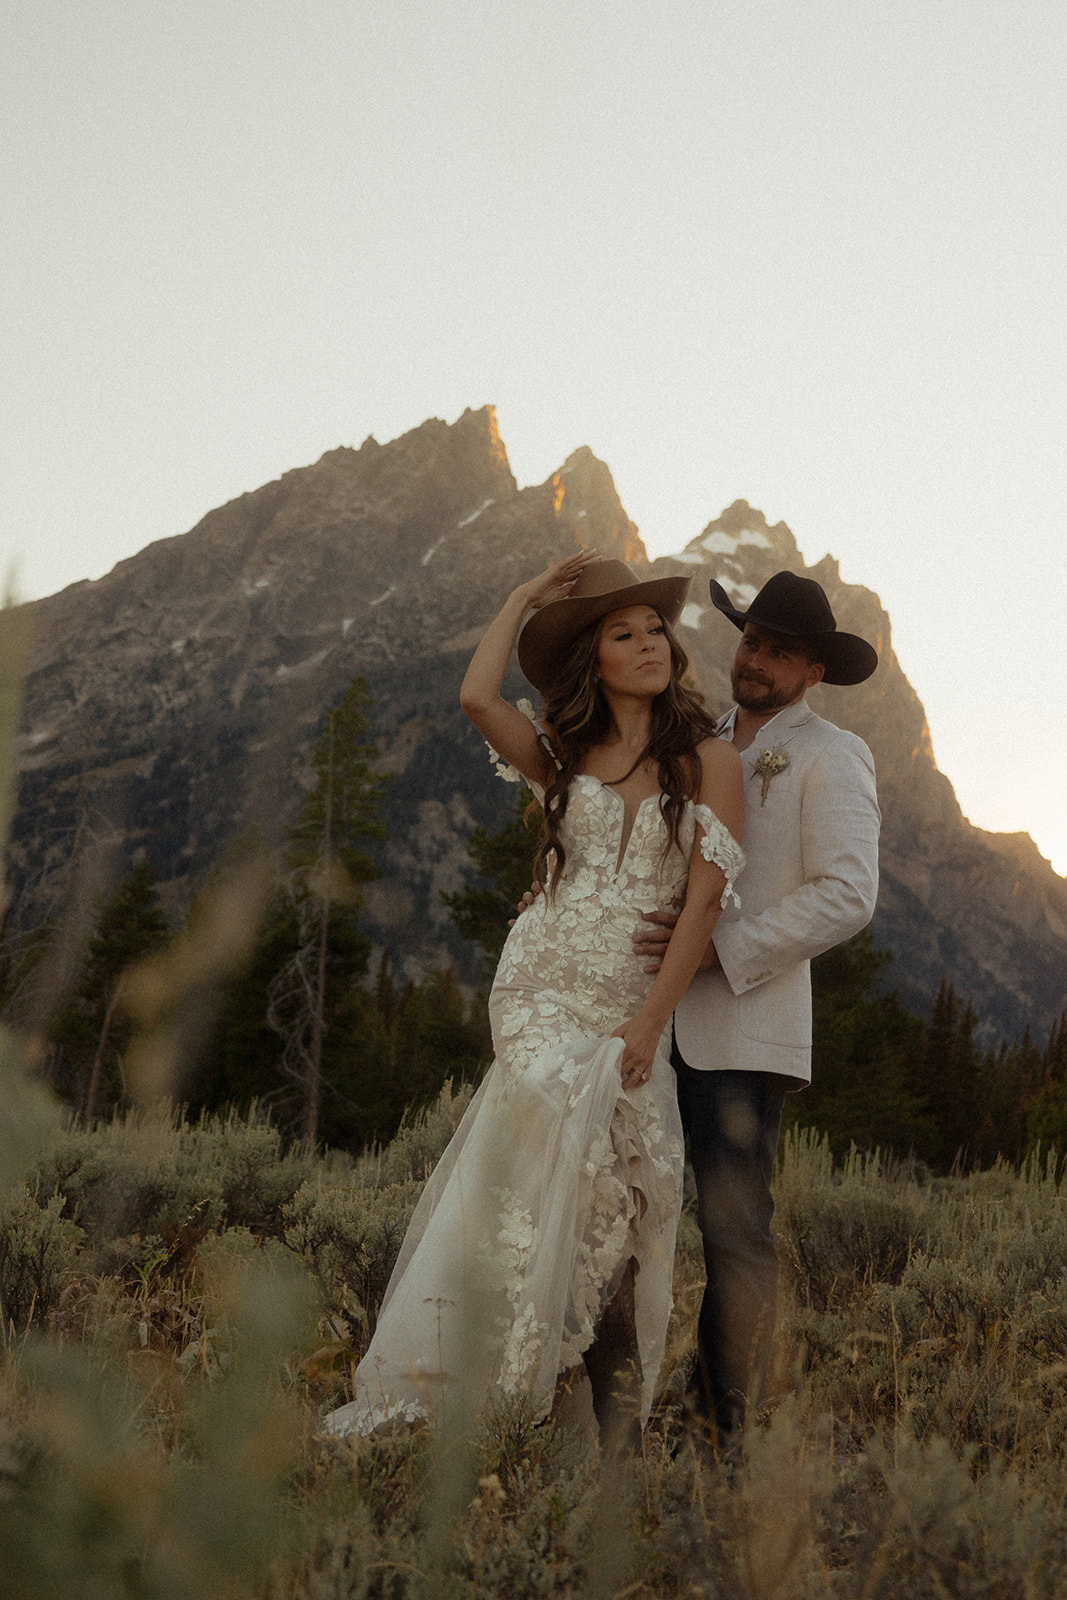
(502, 725)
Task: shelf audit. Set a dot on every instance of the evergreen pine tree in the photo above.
(441, 1036)
(341, 809)
(386, 994)
(328, 867)
(289, 1031)
(1003, 1076)
(90, 1035)
(1045, 1111)
(864, 1049)
(504, 859)
(950, 1066)
(1054, 1063)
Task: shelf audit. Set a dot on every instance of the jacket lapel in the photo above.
(779, 730)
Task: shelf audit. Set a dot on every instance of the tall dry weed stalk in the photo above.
(113, 1482)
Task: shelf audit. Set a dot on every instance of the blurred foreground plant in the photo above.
(99, 1503)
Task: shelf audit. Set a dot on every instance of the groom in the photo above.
(742, 1032)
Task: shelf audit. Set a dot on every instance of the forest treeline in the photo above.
(306, 1021)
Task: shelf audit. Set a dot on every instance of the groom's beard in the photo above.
(754, 692)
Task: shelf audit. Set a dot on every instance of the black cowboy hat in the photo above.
(799, 608)
(600, 588)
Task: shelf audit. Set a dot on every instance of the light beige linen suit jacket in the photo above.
(811, 880)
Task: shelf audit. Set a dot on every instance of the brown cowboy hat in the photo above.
(799, 608)
(600, 588)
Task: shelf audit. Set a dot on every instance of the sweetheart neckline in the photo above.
(626, 834)
(608, 789)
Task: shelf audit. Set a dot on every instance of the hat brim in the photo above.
(552, 630)
(846, 658)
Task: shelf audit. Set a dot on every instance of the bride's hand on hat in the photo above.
(557, 580)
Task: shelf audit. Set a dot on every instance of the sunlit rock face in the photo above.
(172, 705)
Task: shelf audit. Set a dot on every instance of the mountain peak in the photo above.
(173, 704)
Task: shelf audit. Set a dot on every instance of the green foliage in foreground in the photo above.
(183, 1301)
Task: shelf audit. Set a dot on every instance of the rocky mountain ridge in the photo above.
(172, 705)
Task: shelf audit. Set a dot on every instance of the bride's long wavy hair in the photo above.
(574, 707)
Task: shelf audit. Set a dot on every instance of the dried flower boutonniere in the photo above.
(769, 764)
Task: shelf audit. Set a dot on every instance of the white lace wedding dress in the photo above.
(557, 1174)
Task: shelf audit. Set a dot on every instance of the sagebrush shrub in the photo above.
(142, 1186)
(840, 1228)
(258, 1176)
(350, 1239)
(39, 1249)
(149, 1441)
(931, 1526)
(421, 1140)
(134, 1188)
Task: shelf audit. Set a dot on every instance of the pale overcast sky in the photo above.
(812, 256)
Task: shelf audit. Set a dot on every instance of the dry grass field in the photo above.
(181, 1304)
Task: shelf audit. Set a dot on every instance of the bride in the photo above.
(544, 1240)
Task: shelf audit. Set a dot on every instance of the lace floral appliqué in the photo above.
(558, 1175)
(720, 847)
(509, 773)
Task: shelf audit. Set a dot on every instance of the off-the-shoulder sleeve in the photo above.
(719, 846)
(512, 774)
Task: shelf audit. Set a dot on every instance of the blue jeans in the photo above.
(732, 1121)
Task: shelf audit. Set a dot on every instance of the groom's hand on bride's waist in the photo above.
(651, 941)
(526, 902)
